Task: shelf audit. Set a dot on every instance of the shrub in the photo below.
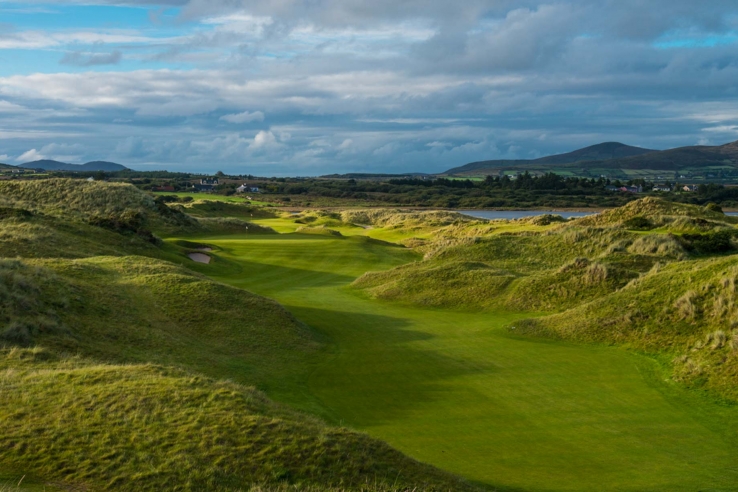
(714, 207)
(14, 213)
(546, 219)
(687, 305)
(639, 223)
(657, 244)
(711, 243)
(718, 339)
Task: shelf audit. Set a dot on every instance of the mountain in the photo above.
(599, 152)
(49, 165)
(699, 156)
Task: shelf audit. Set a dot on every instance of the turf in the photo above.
(458, 391)
(211, 197)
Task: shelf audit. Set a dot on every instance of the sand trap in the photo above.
(199, 257)
(205, 248)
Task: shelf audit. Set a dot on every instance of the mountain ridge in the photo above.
(52, 165)
(598, 152)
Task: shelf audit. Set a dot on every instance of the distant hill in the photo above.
(49, 165)
(682, 157)
(371, 175)
(599, 152)
(617, 160)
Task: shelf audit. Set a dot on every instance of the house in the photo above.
(661, 188)
(244, 188)
(90, 179)
(206, 184)
(631, 189)
(612, 188)
(691, 188)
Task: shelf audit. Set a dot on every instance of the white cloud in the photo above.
(244, 117)
(4, 158)
(264, 139)
(29, 156)
(41, 39)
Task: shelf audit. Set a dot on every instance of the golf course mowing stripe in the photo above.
(456, 390)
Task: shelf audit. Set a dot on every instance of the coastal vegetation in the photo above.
(362, 349)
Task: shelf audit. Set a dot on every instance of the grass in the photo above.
(457, 390)
(146, 427)
(160, 392)
(212, 197)
(144, 403)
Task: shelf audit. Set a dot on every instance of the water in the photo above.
(519, 214)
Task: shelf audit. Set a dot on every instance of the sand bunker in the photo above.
(205, 248)
(199, 257)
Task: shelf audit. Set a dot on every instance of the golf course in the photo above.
(151, 344)
(458, 390)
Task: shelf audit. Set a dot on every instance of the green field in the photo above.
(458, 391)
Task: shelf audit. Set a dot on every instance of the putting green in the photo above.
(458, 391)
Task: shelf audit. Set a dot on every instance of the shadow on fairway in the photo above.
(377, 374)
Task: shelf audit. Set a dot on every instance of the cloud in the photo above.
(81, 59)
(416, 85)
(30, 156)
(4, 158)
(264, 140)
(244, 117)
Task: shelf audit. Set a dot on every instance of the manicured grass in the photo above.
(456, 390)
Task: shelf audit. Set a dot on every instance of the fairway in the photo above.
(458, 391)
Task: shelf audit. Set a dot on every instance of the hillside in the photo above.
(143, 402)
(681, 158)
(599, 152)
(623, 162)
(50, 165)
(653, 274)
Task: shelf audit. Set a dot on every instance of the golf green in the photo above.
(459, 391)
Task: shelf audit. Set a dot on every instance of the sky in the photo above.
(311, 87)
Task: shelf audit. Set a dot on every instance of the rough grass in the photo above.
(686, 311)
(165, 426)
(211, 208)
(462, 267)
(147, 427)
(30, 298)
(659, 213)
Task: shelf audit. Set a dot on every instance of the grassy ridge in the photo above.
(145, 427)
(644, 275)
(686, 311)
(142, 405)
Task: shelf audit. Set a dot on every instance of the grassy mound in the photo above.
(403, 218)
(685, 310)
(555, 268)
(146, 427)
(319, 230)
(154, 311)
(653, 212)
(211, 208)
